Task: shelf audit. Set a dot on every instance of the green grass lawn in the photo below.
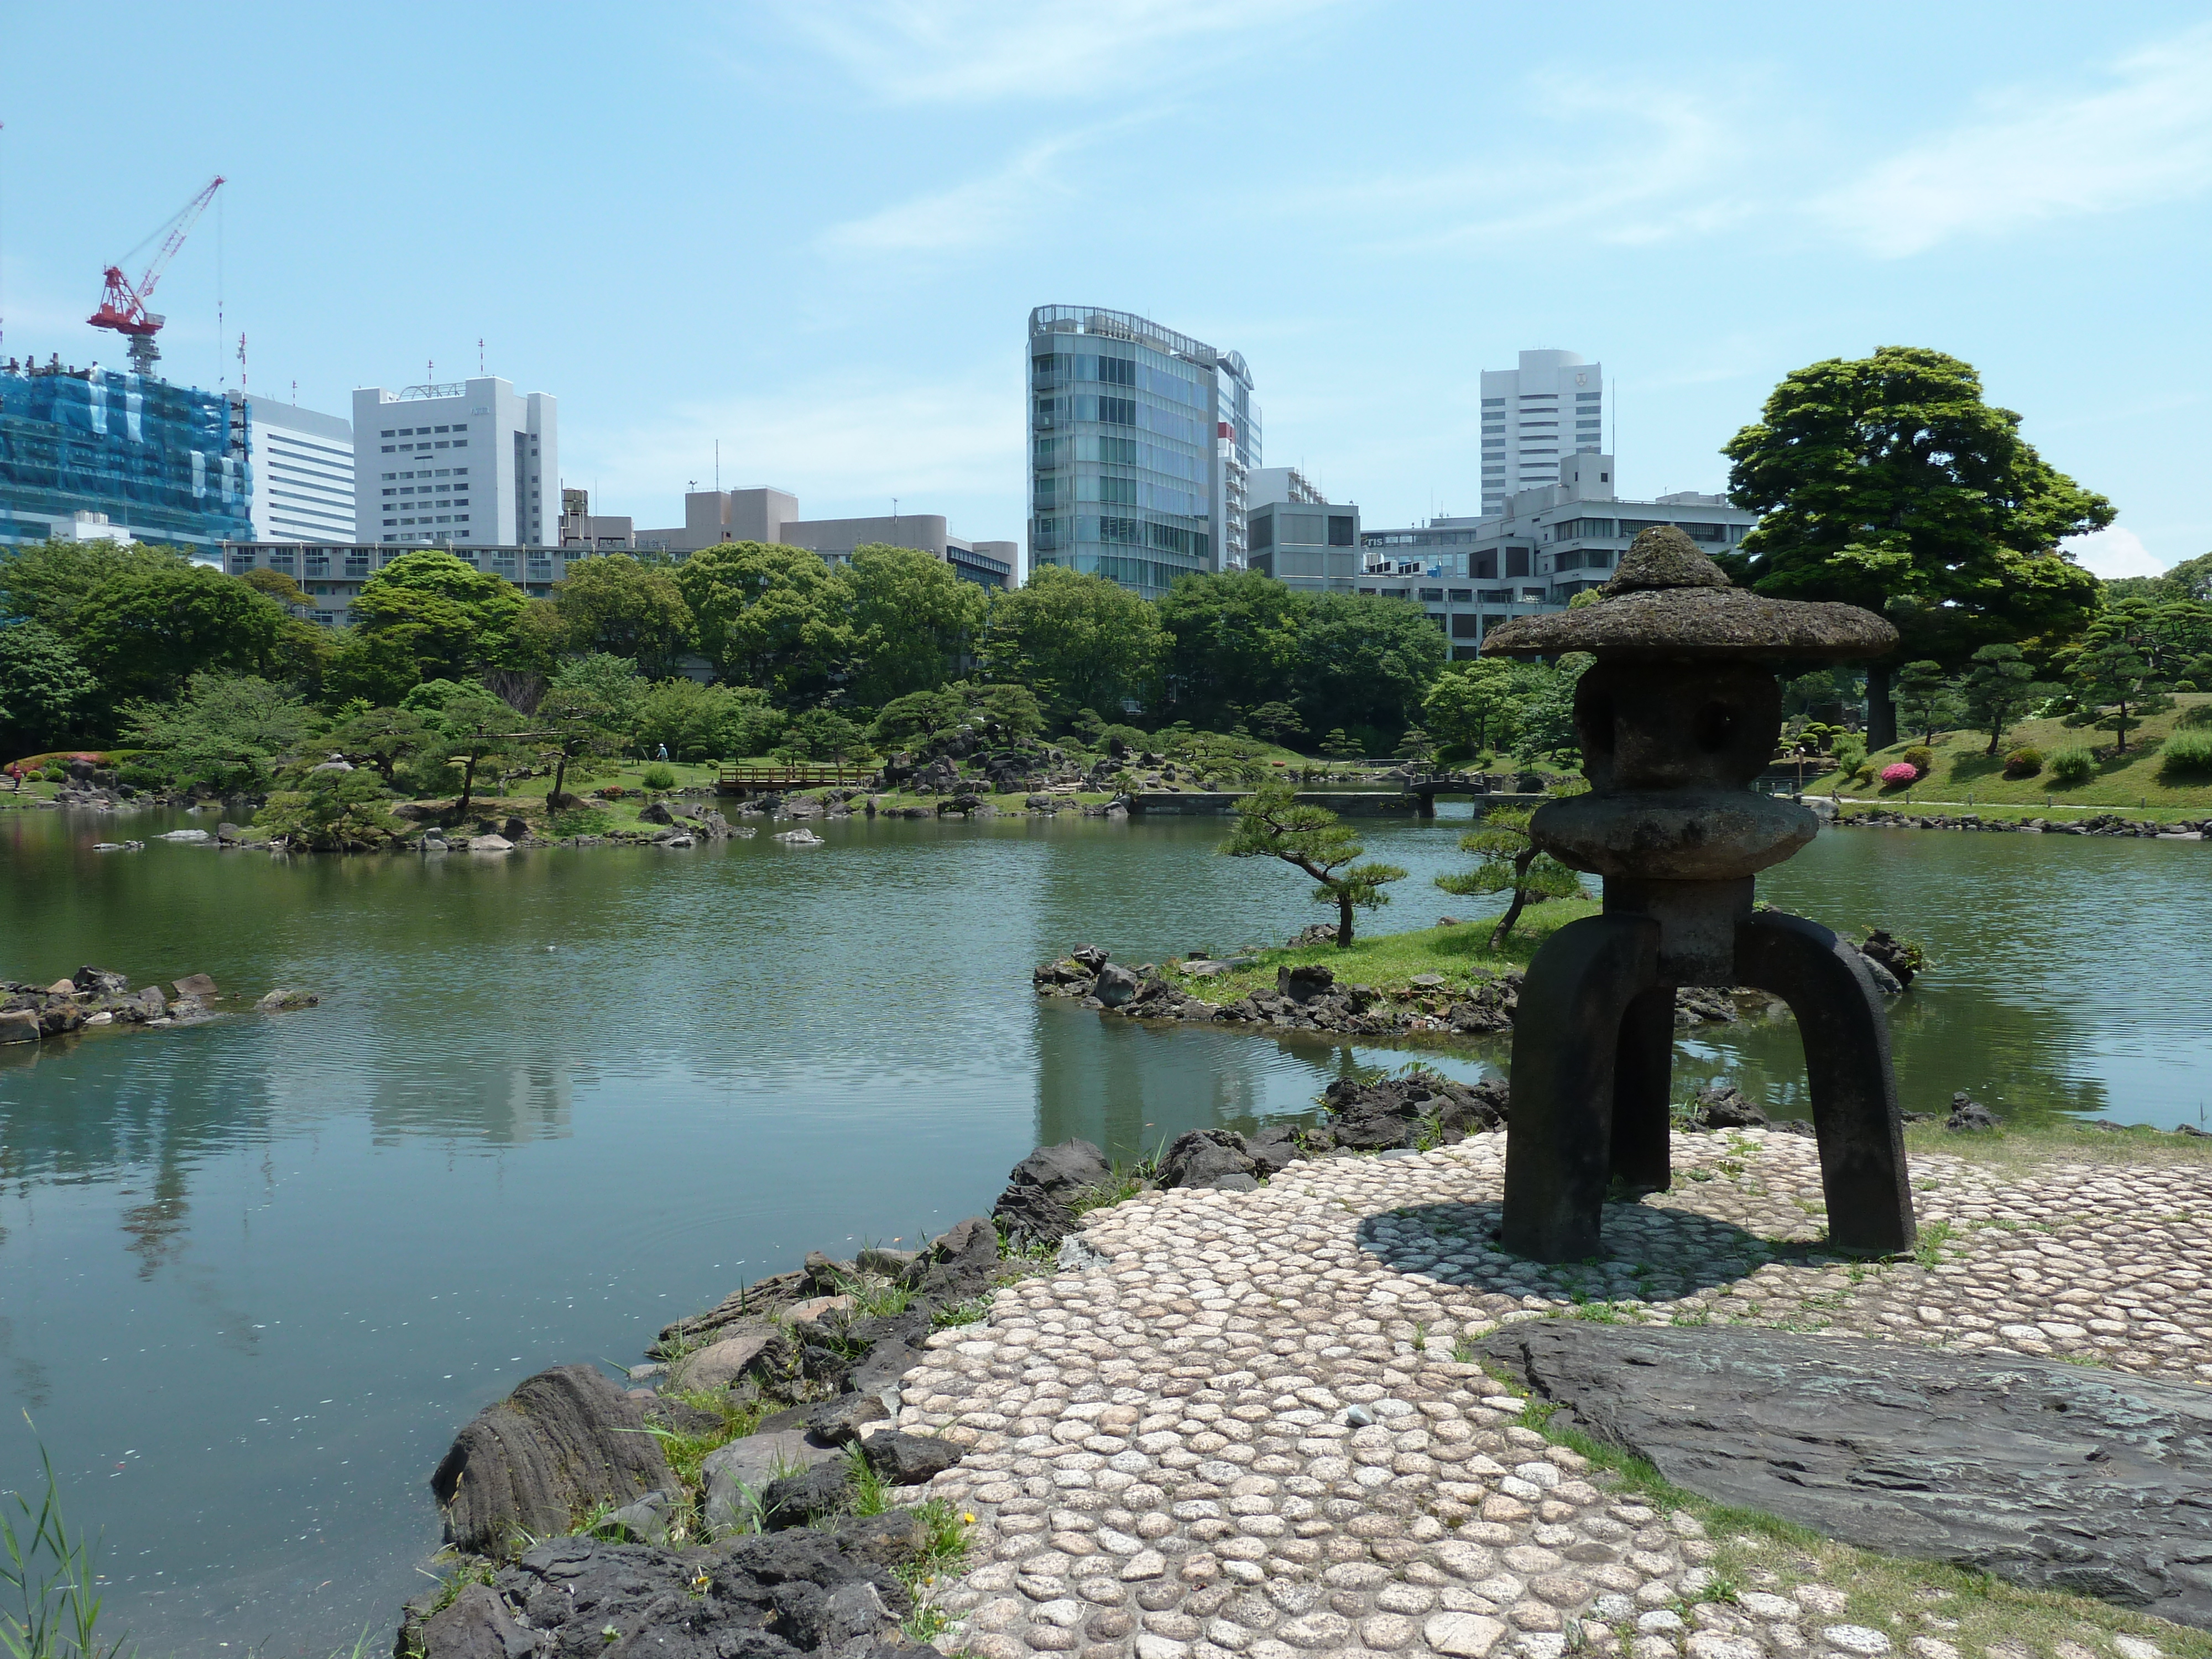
(1389, 961)
(1963, 771)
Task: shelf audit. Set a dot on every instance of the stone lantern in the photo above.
(1677, 717)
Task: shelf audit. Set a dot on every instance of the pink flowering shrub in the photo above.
(1896, 773)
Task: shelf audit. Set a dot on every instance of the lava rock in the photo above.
(565, 1440)
(1115, 985)
(1032, 1216)
(2054, 1476)
(1209, 1158)
(1969, 1116)
(1065, 1170)
(738, 1474)
(821, 1489)
(1895, 959)
(101, 982)
(1723, 1106)
(963, 1261)
(907, 1460)
(279, 1000)
(1305, 983)
(740, 1353)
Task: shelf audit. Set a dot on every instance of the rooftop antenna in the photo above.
(480, 360)
(718, 467)
(296, 394)
(241, 361)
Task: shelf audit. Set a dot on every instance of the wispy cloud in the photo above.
(1624, 168)
(974, 216)
(958, 51)
(838, 449)
(2114, 553)
(2030, 158)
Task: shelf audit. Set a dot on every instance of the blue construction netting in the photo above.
(165, 462)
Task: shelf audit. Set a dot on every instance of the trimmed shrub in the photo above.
(2023, 762)
(2197, 713)
(1920, 758)
(2186, 756)
(1898, 774)
(658, 777)
(2069, 767)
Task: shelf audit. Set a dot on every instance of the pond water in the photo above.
(254, 1274)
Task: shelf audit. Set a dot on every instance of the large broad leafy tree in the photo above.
(1078, 641)
(1365, 660)
(1470, 705)
(145, 632)
(46, 581)
(432, 616)
(769, 615)
(615, 604)
(1270, 823)
(1233, 643)
(47, 697)
(913, 621)
(230, 731)
(708, 722)
(1888, 483)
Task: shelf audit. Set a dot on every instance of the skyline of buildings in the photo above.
(303, 473)
(456, 461)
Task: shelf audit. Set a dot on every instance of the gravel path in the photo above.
(1244, 1432)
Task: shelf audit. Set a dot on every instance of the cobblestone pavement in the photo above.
(1245, 1433)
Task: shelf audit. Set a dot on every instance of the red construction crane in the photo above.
(122, 305)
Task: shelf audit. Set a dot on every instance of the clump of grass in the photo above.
(580, 821)
(875, 1297)
(1929, 1251)
(50, 1581)
(944, 1548)
(973, 1311)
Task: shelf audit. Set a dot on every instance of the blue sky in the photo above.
(813, 232)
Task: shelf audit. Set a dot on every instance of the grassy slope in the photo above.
(1389, 961)
(1962, 769)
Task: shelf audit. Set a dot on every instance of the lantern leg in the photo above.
(1854, 1113)
(1643, 1078)
(1566, 1039)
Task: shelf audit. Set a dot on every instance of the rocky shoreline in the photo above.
(95, 997)
(2102, 824)
(675, 820)
(1307, 998)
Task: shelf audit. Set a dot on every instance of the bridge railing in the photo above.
(794, 774)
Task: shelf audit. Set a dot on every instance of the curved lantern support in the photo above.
(1593, 1054)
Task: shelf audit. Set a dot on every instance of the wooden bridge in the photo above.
(761, 777)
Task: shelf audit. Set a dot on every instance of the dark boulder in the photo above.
(1088, 957)
(1901, 961)
(1305, 983)
(1969, 1114)
(565, 1440)
(478, 1625)
(1722, 1106)
(907, 1460)
(962, 1262)
(1064, 1170)
(1209, 1158)
(101, 982)
(656, 812)
(1032, 1216)
(1038, 1204)
(2055, 1476)
(1115, 985)
(1273, 1150)
(796, 1499)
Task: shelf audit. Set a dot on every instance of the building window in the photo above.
(1117, 411)
(1517, 562)
(1340, 529)
(1117, 371)
(1462, 596)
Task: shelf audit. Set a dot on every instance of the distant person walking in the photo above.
(663, 754)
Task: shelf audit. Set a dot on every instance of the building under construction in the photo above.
(91, 452)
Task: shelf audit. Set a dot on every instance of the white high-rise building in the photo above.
(467, 461)
(302, 473)
(1550, 407)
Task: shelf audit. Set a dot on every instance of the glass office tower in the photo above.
(1139, 440)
